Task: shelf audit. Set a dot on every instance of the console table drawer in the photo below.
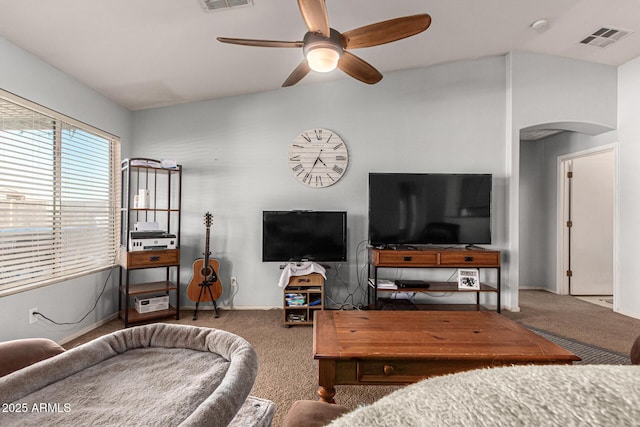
(470, 258)
(398, 258)
(312, 279)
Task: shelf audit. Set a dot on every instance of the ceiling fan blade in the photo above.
(314, 13)
(358, 68)
(298, 74)
(385, 31)
(260, 43)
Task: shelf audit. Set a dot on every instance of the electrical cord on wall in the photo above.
(351, 295)
(95, 305)
(233, 292)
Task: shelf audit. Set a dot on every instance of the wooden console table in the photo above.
(434, 258)
(401, 347)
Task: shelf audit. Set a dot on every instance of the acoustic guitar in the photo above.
(205, 272)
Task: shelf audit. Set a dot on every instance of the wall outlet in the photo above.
(234, 282)
(32, 317)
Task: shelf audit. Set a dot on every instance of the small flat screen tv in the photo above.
(423, 209)
(291, 236)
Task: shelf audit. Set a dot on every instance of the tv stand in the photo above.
(303, 297)
(474, 247)
(433, 258)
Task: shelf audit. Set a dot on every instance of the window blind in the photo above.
(59, 196)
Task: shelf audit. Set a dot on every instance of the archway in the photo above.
(541, 147)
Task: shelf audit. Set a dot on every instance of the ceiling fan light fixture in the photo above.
(323, 59)
(322, 53)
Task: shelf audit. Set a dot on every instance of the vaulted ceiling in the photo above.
(150, 53)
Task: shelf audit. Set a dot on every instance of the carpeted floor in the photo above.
(289, 373)
(590, 355)
(576, 319)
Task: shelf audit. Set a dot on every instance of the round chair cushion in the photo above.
(18, 354)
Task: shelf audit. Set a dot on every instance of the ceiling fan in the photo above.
(325, 48)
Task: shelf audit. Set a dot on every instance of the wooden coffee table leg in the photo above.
(327, 380)
(326, 394)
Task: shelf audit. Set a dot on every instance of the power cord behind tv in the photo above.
(353, 305)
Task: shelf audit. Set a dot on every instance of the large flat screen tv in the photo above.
(422, 209)
(291, 236)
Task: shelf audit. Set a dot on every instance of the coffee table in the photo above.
(403, 347)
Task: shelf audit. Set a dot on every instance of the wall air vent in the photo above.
(216, 5)
(604, 37)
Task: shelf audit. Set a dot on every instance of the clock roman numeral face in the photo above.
(318, 157)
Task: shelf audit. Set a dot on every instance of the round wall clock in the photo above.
(318, 157)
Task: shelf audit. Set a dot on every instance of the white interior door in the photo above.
(591, 231)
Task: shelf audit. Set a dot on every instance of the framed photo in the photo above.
(468, 278)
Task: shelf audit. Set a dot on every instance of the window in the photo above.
(59, 195)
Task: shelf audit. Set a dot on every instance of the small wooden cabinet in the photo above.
(434, 258)
(161, 205)
(303, 297)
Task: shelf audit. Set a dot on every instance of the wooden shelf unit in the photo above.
(433, 258)
(311, 288)
(165, 188)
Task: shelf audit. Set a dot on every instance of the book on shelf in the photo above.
(468, 278)
(295, 299)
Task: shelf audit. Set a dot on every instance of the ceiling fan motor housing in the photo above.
(314, 41)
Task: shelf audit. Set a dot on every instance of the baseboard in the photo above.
(628, 313)
(535, 288)
(88, 329)
(209, 307)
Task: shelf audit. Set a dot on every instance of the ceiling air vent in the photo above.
(604, 37)
(215, 5)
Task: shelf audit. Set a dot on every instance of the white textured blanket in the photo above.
(157, 374)
(586, 395)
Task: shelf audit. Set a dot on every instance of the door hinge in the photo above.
(569, 224)
(569, 273)
(569, 174)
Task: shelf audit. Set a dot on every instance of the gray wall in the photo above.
(458, 117)
(448, 118)
(533, 216)
(28, 77)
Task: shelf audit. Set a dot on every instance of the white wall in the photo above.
(546, 89)
(629, 138)
(448, 118)
(28, 77)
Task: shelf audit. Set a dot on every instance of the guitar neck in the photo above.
(206, 248)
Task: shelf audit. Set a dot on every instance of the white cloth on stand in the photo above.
(300, 269)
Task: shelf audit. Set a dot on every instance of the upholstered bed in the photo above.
(587, 395)
(552, 395)
(156, 374)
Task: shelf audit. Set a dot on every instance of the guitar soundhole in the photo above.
(206, 272)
